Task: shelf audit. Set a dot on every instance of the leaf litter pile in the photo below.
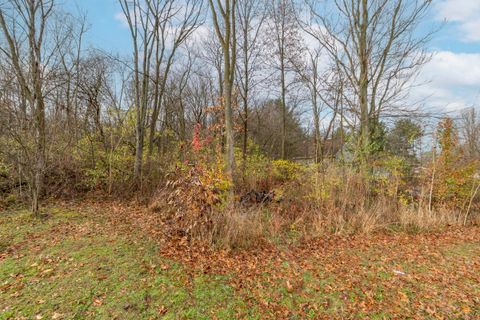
(127, 267)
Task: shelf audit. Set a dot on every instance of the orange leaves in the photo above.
(403, 297)
(188, 200)
(97, 302)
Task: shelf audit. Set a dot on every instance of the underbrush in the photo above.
(268, 200)
(309, 201)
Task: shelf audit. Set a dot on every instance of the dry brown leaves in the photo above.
(350, 259)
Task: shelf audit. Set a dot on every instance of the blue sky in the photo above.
(106, 31)
(452, 77)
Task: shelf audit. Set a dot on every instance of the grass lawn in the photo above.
(77, 263)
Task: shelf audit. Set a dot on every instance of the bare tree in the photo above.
(157, 28)
(175, 98)
(23, 25)
(223, 16)
(283, 37)
(198, 96)
(211, 72)
(71, 32)
(175, 22)
(142, 27)
(471, 133)
(251, 18)
(316, 80)
(378, 49)
(92, 86)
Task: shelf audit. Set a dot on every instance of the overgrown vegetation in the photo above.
(402, 188)
(224, 167)
(189, 135)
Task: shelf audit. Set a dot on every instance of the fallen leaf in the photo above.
(466, 309)
(403, 297)
(289, 287)
(162, 310)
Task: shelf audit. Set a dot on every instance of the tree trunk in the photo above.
(246, 87)
(363, 86)
(284, 106)
(317, 138)
(137, 167)
(245, 137)
(38, 106)
(229, 135)
(228, 42)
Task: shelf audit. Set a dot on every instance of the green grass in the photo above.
(99, 276)
(71, 264)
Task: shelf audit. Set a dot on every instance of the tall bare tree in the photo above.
(142, 24)
(157, 29)
(284, 39)
(70, 31)
(250, 20)
(378, 48)
(223, 16)
(325, 88)
(470, 129)
(175, 22)
(23, 25)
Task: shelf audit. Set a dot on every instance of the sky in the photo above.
(449, 82)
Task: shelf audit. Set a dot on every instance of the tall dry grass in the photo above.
(313, 202)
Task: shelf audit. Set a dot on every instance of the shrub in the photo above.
(187, 203)
(104, 167)
(284, 170)
(194, 194)
(255, 170)
(449, 177)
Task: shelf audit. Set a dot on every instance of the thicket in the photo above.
(241, 132)
(403, 188)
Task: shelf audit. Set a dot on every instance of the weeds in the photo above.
(310, 201)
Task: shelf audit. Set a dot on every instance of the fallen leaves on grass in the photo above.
(396, 274)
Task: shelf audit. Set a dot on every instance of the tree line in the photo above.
(292, 78)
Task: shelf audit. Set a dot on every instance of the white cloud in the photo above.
(464, 13)
(451, 81)
(459, 69)
(120, 16)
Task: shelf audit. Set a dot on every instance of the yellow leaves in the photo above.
(285, 170)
